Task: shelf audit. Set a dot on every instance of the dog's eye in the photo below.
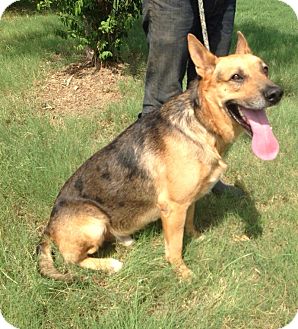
(237, 77)
(266, 70)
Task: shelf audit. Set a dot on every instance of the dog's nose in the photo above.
(273, 94)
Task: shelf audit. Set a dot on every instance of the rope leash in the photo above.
(203, 24)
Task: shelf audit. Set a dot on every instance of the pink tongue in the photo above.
(264, 144)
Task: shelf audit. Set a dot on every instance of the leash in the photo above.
(203, 24)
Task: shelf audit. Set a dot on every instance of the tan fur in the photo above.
(157, 168)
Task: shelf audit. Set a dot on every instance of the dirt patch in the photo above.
(78, 89)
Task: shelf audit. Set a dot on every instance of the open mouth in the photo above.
(255, 123)
(235, 112)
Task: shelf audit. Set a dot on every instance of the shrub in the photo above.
(99, 25)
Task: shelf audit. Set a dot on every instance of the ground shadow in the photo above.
(212, 210)
(23, 8)
(41, 42)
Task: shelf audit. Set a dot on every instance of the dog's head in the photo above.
(238, 85)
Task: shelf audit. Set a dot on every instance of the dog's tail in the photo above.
(46, 262)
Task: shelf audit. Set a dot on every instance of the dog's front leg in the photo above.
(190, 228)
(173, 218)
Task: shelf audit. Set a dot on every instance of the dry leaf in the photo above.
(240, 238)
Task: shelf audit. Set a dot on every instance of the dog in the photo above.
(161, 164)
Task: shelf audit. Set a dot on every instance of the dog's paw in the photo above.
(194, 233)
(184, 272)
(126, 241)
(115, 265)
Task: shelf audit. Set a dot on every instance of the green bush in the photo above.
(99, 25)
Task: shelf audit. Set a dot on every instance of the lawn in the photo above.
(246, 261)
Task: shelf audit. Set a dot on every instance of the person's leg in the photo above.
(166, 24)
(220, 25)
(220, 16)
(220, 29)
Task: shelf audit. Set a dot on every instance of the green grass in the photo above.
(238, 284)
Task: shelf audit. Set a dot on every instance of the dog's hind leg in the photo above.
(79, 232)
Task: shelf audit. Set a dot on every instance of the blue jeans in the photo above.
(166, 24)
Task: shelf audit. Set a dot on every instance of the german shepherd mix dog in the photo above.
(165, 161)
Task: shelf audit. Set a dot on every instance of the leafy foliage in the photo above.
(99, 25)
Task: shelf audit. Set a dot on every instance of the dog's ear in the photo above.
(242, 45)
(203, 60)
